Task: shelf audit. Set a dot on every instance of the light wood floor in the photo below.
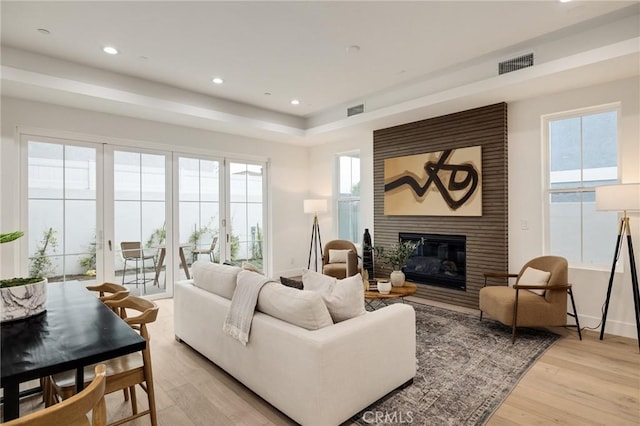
(573, 383)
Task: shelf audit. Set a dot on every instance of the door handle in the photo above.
(110, 248)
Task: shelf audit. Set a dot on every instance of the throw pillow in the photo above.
(338, 256)
(298, 307)
(289, 282)
(344, 298)
(215, 278)
(318, 282)
(536, 277)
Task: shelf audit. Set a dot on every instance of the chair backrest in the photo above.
(147, 312)
(131, 250)
(214, 241)
(559, 268)
(109, 291)
(336, 245)
(73, 411)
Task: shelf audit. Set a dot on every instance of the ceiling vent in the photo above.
(514, 64)
(358, 109)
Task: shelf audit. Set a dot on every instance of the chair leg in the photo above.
(134, 401)
(480, 315)
(124, 271)
(575, 312)
(515, 319)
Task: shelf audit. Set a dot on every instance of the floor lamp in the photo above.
(315, 207)
(624, 198)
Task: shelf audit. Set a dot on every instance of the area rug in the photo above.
(465, 370)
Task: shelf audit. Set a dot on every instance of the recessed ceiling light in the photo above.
(44, 31)
(295, 102)
(218, 80)
(564, 1)
(110, 50)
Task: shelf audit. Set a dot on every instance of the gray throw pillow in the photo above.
(289, 282)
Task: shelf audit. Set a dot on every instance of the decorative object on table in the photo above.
(314, 207)
(396, 258)
(384, 287)
(367, 253)
(365, 280)
(21, 297)
(443, 183)
(466, 369)
(621, 198)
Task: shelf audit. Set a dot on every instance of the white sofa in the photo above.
(316, 377)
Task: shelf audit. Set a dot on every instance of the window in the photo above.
(349, 197)
(582, 154)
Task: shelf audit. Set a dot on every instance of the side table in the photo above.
(374, 299)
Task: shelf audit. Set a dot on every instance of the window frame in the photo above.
(545, 121)
(338, 198)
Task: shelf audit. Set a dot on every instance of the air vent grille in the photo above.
(514, 64)
(358, 109)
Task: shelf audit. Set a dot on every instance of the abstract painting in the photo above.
(443, 183)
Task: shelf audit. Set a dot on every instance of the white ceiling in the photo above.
(288, 49)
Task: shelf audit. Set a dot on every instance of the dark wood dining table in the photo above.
(76, 330)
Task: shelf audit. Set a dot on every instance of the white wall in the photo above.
(526, 192)
(322, 163)
(288, 169)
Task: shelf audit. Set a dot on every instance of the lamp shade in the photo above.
(315, 206)
(624, 196)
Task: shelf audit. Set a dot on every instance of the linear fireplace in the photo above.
(438, 260)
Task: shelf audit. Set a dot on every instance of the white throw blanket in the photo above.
(243, 305)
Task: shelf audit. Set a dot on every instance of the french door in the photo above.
(84, 200)
(64, 203)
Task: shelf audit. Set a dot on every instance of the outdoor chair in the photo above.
(208, 251)
(133, 251)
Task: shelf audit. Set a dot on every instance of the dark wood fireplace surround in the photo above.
(487, 246)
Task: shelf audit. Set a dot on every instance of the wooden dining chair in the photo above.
(73, 411)
(127, 371)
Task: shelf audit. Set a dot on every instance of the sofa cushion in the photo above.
(536, 277)
(344, 298)
(298, 307)
(215, 278)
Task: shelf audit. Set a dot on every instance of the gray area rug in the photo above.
(466, 369)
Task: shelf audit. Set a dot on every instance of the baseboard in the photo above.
(617, 328)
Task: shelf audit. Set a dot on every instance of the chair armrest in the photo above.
(542, 287)
(497, 275)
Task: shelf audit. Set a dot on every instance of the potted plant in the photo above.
(21, 297)
(396, 257)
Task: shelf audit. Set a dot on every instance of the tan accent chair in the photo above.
(340, 270)
(73, 411)
(517, 307)
(124, 372)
